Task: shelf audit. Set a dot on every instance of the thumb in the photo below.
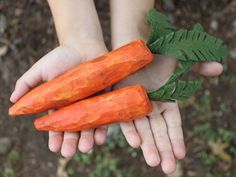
(26, 82)
(210, 69)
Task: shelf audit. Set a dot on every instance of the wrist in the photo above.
(121, 37)
(129, 23)
(85, 45)
(82, 40)
(76, 21)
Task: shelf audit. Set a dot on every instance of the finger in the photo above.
(100, 135)
(55, 141)
(35, 75)
(86, 140)
(208, 68)
(130, 133)
(29, 80)
(163, 144)
(148, 146)
(173, 120)
(69, 145)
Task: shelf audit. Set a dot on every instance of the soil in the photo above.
(29, 34)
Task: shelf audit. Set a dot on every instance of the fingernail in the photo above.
(12, 97)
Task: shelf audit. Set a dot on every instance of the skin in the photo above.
(76, 42)
(104, 71)
(160, 135)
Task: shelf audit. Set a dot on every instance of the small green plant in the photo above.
(107, 165)
(204, 130)
(207, 159)
(217, 134)
(13, 156)
(8, 172)
(70, 171)
(218, 148)
(84, 158)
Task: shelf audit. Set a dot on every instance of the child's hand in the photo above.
(80, 37)
(160, 135)
(48, 67)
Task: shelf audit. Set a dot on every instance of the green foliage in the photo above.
(160, 25)
(188, 47)
(205, 130)
(218, 135)
(84, 158)
(176, 89)
(207, 159)
(105, 163)
(70, 171)
(186, 66)
(14, 156)
(198, 27)
(211, 156)
(180, 90)
(8, 172)
(118, 142)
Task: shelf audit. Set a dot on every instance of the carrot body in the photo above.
(118, 106)
(85, 79)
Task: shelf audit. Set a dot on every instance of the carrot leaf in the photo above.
(160, 25)
(186, 66)
(179, 90)
(198, 27)
(190, 45)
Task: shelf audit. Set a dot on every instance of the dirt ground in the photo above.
(27, 33)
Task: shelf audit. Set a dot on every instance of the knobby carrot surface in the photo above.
(118, 106)
(85, 79)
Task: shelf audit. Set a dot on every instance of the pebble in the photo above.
(169, 5)
(214, 25)
(232, 54)
(3, 50)
(5, 145)
(18, 11)
(234, 23)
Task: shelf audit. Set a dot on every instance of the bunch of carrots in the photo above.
(70, 92)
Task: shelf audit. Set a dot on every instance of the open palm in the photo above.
(160, 134)
(48, 67)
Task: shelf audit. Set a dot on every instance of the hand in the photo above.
(48, 67)
(160, 135)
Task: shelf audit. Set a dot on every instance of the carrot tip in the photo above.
(40, 125)
(13, 111)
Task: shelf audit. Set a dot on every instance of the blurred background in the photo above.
(27, 33)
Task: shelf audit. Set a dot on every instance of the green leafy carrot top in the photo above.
(188, 47)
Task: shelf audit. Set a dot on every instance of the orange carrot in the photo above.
(118, 106)
(85, 79)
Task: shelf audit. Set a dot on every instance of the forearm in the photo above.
(75, 20)
(129, 20)
(129, 23)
